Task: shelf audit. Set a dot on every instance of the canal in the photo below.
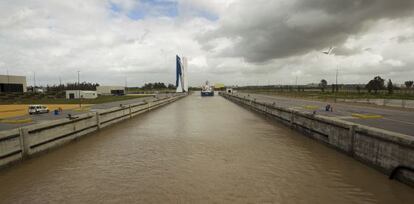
(197, 150)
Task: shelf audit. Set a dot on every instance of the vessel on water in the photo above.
(207, 90)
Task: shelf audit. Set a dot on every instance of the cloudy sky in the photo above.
(230, 41)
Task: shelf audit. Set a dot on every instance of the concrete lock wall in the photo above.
(381, 149)
(23, 142)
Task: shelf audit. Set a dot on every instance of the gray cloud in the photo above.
(267, 30)
(252, 42)
(404, 39)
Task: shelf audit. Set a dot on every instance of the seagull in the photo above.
(328, 52)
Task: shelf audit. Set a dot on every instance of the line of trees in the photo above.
(69, 86)
(378, 83)
(92, 86)
(375, 84)
(157, 85)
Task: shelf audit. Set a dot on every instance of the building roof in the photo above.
(84, 91)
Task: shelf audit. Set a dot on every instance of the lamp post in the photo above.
(297, 87)
(330, 52)
(79, 92)
(126, 85)
(34, 82)
(8, 81)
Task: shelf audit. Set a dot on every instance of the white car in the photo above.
(36, 109)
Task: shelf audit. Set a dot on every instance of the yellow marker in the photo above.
(311, 107)
(16, 121)
(366, 116)
(83, 108)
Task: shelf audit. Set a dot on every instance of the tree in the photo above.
(171, 86)
(156, 86)
(323, 84)
(73, 86)
(375, 84)
(408, 84)
(390, 87)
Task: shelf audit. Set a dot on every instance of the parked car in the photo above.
(37, 109)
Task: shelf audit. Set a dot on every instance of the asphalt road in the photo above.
(388, 119)
(41, 118)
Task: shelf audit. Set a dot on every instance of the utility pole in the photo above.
(79, 92)
(330, 52)
(60, 85)
(126, 84)
(336, 83)
(34, 82)
(8, 80)
(296, 82)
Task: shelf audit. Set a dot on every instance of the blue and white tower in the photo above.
(181, 81)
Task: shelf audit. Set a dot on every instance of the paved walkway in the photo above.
(41, 118)
(393, 120)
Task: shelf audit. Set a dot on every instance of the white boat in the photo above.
(207, 90)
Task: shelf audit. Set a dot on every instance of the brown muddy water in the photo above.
(197, 150)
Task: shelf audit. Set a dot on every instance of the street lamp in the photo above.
(79, 92)
(34, 82)
(8, 81)
(330, 52)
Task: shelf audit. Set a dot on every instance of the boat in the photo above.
(207, 90)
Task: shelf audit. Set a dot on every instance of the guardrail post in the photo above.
(23, 142)
(130, 111)
(291, 118)
(98, 120)
(352, 139)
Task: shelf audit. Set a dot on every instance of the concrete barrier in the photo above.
(381, 149)
(23, 142)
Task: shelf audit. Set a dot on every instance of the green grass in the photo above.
(330, 95)
(100, 99)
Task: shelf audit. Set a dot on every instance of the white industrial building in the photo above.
(110, 90)
(12, 83)
(74, 94)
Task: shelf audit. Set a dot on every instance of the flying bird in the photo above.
(328, 52)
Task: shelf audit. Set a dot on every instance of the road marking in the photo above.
(310, 107)
(366, 116)
(17, 121)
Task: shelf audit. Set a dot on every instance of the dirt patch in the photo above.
(8, 111)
